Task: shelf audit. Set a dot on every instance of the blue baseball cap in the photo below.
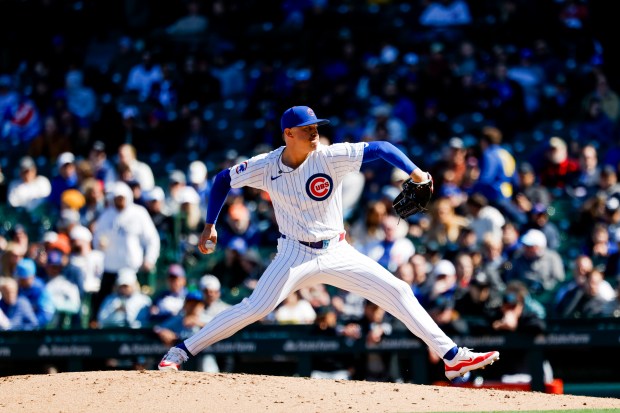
(300, 116)
(25, 268)
(54, 257)
(193, 296)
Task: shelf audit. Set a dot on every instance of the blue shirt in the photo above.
(40, 300)
(21, 314)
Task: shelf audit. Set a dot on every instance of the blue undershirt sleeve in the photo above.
(219, 192)
(390, 153)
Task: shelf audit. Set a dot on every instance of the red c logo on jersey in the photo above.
(319, 187)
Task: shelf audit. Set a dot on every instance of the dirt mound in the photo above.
(153, 391)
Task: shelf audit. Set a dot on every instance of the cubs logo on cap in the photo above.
(241, 167)
(319, 187)
(300, 116)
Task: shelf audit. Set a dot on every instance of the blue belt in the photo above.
(319, 244)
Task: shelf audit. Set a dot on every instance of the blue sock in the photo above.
(182, 347)
(451, 353)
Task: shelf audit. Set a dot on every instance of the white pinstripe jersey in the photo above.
(308, 200)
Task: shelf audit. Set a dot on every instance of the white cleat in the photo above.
(466, 360)
(172, 360)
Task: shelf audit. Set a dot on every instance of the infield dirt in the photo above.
(153, 391)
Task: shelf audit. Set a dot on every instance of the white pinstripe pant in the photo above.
(296, 266)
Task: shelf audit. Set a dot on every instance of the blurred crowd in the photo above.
(115, 118)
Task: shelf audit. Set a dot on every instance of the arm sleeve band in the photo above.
(390, 153)
(219, 192)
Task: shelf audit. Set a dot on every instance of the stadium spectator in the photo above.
(372, 326)
(295, 310)
(65, 295)
(529, 191)
(102, 168)
(445, 226)
(65, 179)
(479, 304)
(585, 299)
(212, 296)
(494, 264)
(51, 142)
(140, 171)
(94, 202)
(498, 177)
(85, 267)
(394, 249)
(484, 218)
(538, 218)
(33, 289)
(127, 306)
(31, 189)
(128, 238)
(558, 169)
(539, 267)
(169, 302)
(16, 312)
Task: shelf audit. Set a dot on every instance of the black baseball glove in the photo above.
(414, 197)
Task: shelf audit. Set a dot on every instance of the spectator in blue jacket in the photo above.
(498, 175)
(32, 288)
(66, 178)
(16, 313)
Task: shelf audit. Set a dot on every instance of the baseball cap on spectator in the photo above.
(72, 198)
(441, 303)
(534, 238)
(64, 159)
(300, 116)
(177, 177)
(448, 190)
(176, 270)
(130, 112)
(526, 168)
(126, 276)
(197, 172)
(25, 268)
(61, 243)
(557, 143)
(54, 257)
(444, 267)
(26, 163)
(50, 237)
(188, 195)
(480, 279)
(80, 233)
(612, 204)
(210, 282)
(382, 110)
(98, 146)
(238, 244)
(510, 299)
(155, 194)
(68, 216)
(193, 296)
(121, 189)
(456, 143)
(539, 208)
(411, 59)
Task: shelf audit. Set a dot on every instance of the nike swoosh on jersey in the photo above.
(273, 178)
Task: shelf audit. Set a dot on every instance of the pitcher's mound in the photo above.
(154, 391)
